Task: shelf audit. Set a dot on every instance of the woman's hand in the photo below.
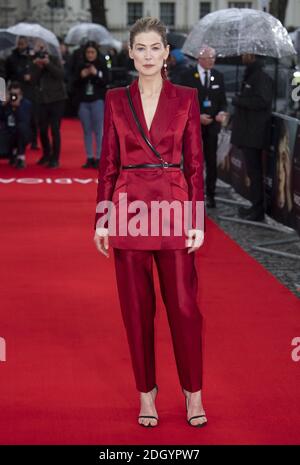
(195, 239)
(93, 70)
(84, 73)
(101, 241)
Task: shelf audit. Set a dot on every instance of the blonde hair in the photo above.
(148, 23)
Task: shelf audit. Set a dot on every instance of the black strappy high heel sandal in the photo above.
(199, 425)
(149, 416)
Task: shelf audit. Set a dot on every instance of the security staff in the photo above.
(251, 127)
(213, 104)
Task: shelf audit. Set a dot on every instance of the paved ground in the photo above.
(286, 270)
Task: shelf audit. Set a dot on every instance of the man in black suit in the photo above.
(251, 128)
(213, 104)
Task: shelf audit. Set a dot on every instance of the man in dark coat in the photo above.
(251, 129)
(213, 104)
(52, 94)
(20, 68)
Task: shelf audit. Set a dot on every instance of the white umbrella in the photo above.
(115, 43)
(295, 36)
(36, 32)
(90, 31)
(235, 31)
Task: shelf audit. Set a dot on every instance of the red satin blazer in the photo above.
(175, 129)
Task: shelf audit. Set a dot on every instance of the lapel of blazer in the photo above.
(215, 77)
(197, 80)
(166, 109)
(163, 116)
(133, 89)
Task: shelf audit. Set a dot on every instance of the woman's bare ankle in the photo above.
(194, 394)
(151, 393)
(147, 407)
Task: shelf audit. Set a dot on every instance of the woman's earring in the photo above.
(164, 71)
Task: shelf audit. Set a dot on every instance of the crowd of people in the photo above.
(49, 87)
(42, 88)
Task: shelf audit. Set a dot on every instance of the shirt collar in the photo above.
(202, 70)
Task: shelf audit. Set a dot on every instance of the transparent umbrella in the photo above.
(295, 37)
(36, 33)
(7, 40)
(112, 42)
(235, 31)
(89, 31)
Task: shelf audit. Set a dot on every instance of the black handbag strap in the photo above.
(156, 153)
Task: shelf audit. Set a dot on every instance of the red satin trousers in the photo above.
(178, 285)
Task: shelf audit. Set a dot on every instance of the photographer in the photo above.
(90, 84)
(19, 67)
(15, 115)
(51, 96)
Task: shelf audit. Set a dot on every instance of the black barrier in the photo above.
(281, 168)
(296, 181)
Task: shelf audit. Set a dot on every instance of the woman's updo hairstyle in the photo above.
(146, 24)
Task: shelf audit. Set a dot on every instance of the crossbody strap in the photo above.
(156, 153)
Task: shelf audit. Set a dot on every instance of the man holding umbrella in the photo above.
(251, 129)
(242, 31)
(212, 101)
(48, 73)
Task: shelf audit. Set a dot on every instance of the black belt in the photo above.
(152, 165)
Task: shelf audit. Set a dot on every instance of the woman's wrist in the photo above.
(102, 231)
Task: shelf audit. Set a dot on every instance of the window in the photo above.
(134, 11)
(167, 13)
(205, 8)
(239, 4)
(56, 3)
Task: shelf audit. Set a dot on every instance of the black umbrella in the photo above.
(176, 39)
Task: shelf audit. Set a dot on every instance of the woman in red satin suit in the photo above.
(130, 171)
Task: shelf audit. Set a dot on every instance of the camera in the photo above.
(26, 51)
(41, 54)
(13, 97)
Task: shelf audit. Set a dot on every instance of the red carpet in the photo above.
(67, 378)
